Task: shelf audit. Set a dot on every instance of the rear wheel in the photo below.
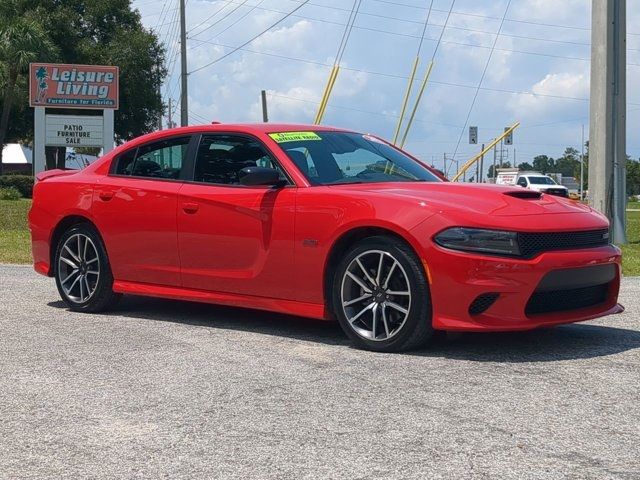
(381, 296)
(82, 271)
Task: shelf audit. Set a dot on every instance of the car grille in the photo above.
(531, 244)
(559, 192)
(563, 300)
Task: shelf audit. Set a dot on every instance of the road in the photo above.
(164, 389)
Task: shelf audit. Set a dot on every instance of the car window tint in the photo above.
(221, 157)
(162, 159)
(124, 164)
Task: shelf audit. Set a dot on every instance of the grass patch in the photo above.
(15, 240)
(631, 251)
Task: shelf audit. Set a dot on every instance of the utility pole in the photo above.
(170, 115)
(582, 166)
(607, 123)
(159, 96)
(265, 115)
(494, 164)
(184, 107)
(481, 165)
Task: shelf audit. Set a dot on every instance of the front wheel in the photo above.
(82, 271)
(381, 296)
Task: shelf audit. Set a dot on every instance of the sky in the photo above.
(537, 73)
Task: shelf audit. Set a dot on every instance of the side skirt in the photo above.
(291, 307)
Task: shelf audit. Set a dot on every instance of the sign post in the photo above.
(87, 87)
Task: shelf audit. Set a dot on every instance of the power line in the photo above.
(252, 38)
(378, 30)
(405, 77)
(368, 112)
(424, 29)
(227, 2)
(226, 15)
(484, 71)
(239, 19)
(472, 30)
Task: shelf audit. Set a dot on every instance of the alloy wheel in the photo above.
(375, 295)
(78, 268)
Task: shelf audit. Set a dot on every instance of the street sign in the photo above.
(473, 135)
(74, 131)
(57, 85)
(508, 140)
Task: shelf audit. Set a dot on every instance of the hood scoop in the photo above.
(525, 194)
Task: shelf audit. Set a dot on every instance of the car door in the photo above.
(135, 210)
(234, 238)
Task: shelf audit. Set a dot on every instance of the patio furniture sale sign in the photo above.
(73, 86)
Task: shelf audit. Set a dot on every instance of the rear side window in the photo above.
(162, 159)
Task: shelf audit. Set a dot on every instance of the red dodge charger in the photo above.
(319, 222)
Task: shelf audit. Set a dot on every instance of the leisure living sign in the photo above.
(73, 86)
(62, 86)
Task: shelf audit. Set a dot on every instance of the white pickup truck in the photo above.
(531, 180)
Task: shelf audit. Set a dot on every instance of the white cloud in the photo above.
(543, 97)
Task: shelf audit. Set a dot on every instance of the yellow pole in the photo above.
(326, 102)
(327, 93)
(415, 106)
(475, 158)
(324, 94)
(406, 99)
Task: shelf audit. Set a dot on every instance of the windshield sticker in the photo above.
(283, 137)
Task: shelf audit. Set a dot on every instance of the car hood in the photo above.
(483, 199)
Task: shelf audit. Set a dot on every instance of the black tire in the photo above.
(416, 328)
(102, 296)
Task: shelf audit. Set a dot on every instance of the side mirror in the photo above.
(251, 176)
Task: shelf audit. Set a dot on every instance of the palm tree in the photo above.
(22, 41)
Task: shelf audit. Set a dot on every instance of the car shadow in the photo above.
(565, 342)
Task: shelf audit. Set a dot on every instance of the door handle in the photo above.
(105, 195)
(190, 207)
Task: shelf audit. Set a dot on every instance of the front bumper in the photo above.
(457, 279)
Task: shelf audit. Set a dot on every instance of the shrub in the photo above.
(22, 183)
(9, 193)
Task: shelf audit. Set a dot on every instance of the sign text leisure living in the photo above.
(73, 86)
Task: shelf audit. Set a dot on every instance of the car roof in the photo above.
(258, 127)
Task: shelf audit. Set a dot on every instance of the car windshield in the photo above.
(330, 158)
(541, 181)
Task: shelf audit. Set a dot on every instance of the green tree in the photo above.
(22, 40)
(99, 32)
(633, 177)
(544, 164)
(569, 164)
(525, 166)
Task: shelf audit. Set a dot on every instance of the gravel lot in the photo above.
(163, 389)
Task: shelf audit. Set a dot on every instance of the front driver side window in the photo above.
(221, 157)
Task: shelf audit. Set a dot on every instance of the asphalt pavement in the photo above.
(167, 389)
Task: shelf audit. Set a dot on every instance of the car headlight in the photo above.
(479, 240)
